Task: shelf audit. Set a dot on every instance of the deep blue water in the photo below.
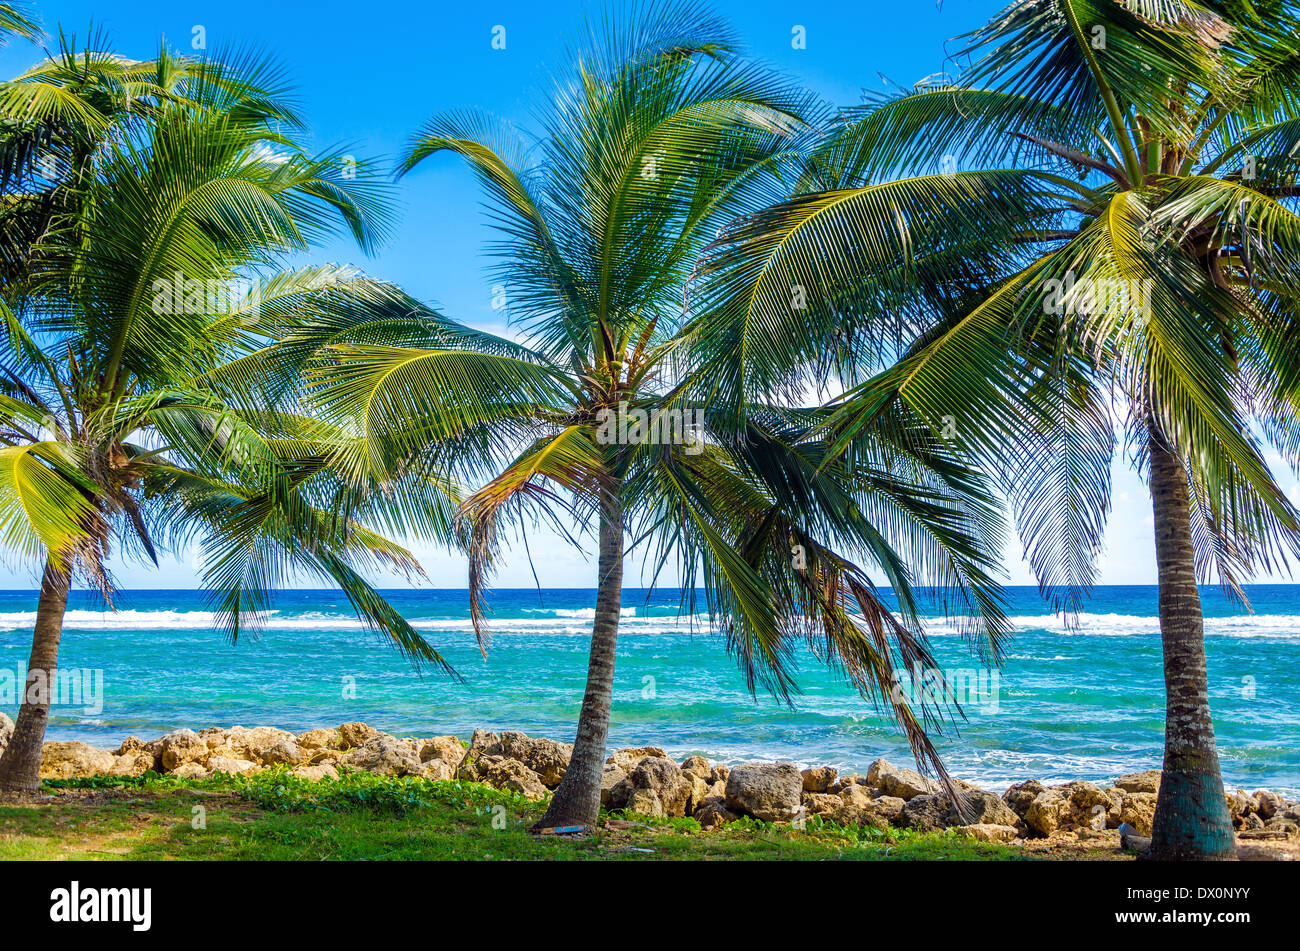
(1069, 704)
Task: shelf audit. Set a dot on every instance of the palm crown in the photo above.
(1094, 222)
(1125, 218)
(161, 196)
(662, 138)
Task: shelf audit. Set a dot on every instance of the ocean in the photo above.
(1083, 703)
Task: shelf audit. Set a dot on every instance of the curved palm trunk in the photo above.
(20, 765)
(577, 800)
(1191, 820)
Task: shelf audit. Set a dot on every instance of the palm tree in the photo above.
(14, 22)
(1098, 215)
(602, 421)
(128, 419)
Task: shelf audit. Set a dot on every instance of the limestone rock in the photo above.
(316, 773)
(1147, 781)
(1073, 806)
(699, 766)
(611, 777)
(819, 779)
(852, 779)
(903, 783)
(1270, 804)
(1290, 827)
(1239, 804)
(74, 760)
(438, 769)
(283, 753)
(547, 758)
(1049, 812)
(132, 764)
(630, 758)
(235, 767)
(449, 749)
(1138, 810)
(355, 735)
(1020, 795)
(984, 808)
(988, 832)
(657, 787)
(319, 740)
(191, 771)
(6, 730)
(857, 807)
(180, 747)
(136, 757)
(821, 804)
(508, 774)
(262, 744)
(770, 792)
(385, 755)
(889, 808)
(927, 812)
(699, 791)
(482, 739)
(713, 812)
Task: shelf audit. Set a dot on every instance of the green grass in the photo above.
(274, 816)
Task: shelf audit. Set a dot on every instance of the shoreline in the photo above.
(64, 733)
(645, 781)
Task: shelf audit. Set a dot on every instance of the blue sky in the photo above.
(368, 74)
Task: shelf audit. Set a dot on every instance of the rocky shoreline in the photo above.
(645, 780)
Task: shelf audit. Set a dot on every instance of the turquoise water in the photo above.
(1082, 704)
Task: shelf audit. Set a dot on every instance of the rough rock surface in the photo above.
(1147, 781)
(69, 760)
(611, 777)
(316, 773)
(629, 759)
(547, 758)
(1138, 809)
(657, 787)
(903, 783)
(819, 779)
(713, 812)
(770, 792)
(1073, 806)
(503, 773)
(984, 832)
(644, 780)
(386, 756)
(699, 766)
(352, 735)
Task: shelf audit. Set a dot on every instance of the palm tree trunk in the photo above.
(577, 799)
(1191, 819)
(20, 764)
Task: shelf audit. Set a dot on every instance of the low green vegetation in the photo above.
(276, 816)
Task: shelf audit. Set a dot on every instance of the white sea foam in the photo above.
(588, 613)
(1253, 625)
(576, 621)
(121, 620)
